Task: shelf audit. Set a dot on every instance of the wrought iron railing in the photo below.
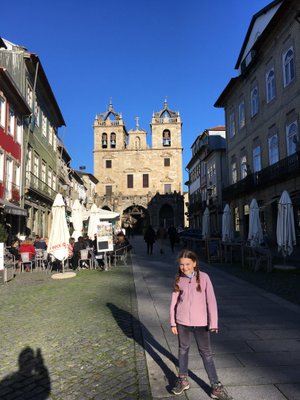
(278, 172)
(35, 183)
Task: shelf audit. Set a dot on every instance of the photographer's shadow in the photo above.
(31, 381)
(145, 339)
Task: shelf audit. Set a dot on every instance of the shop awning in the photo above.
(14, 210)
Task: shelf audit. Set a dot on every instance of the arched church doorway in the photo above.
(166, 215)
(134, 219)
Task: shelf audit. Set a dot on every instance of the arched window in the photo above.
(288, 66)
(270, 83)
(113, 140)
(137, 143)
(291, 138)
(273, 149)
(254, 101)
(104, 141)
(166, 138)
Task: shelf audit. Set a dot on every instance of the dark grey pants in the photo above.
(202, 337)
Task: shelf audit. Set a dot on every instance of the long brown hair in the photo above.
(185, 253)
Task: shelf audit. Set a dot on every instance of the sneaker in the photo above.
(218, 392)
(182, 384)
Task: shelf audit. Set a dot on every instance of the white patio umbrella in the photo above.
(59, 234)
(286, 237)
(77, 219)
(255, 235)
(94, 219)
(227, 230)
(206, 224)
(106, 215)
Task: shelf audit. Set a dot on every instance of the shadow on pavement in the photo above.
(126, 320)
(31, 381)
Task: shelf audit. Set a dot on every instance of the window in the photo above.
(19, 131)
(104, 141)
(29, 96)
(43, 175)
(108, 163)
(54, 181)
(2, 111)
(29, 160)
(44, 125)
(36, 170)
(167, 162)
(270, 85)
(288, 66)
(17, 176)
(242, 120)
(1, 165)
(256, 153)
(273, 149)
(54, 143)
(113, 140)
(36, 114)
(254, 101)
(130, 181)
(108, 190)
(50, 137)
(243, 167)
(145, 180)
(166, 138)
(8, 178)
(167, 188)
(49, 177)
(11, 122)
(291, 138)
(137, 143)
(231, 125)
(36, 165)
(233, 172)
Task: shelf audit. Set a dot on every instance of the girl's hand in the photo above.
(214, 330)
(174, 330)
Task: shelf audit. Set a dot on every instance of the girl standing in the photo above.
(194, 311)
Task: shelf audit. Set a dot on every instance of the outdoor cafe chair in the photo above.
(84, 259)
(25, 260)
(40, 257)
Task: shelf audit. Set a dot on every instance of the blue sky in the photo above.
(136, 52)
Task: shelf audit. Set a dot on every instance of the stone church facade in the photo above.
(140, 182)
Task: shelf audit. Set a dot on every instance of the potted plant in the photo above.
(3, 234)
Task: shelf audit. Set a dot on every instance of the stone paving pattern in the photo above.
(87, 332)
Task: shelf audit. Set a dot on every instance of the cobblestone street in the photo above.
(86, 330)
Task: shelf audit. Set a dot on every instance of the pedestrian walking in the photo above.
(172, 232)
(194, 311)
(149, 238)
(161, 235)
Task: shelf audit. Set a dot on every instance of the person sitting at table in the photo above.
(79, 245)
(14, 250)
(40, 243)
(27, 247)
(99, 261)
(71, 251)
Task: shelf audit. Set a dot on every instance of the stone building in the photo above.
(262, 106)
(207, 169)
(140, 182)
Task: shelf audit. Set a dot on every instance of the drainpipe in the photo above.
(25, 142)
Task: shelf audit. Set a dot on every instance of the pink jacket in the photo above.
(192, 308)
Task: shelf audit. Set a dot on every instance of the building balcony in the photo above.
(281, 171)
(39, 187)
(10, 192)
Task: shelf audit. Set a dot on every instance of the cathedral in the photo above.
(142, 183)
